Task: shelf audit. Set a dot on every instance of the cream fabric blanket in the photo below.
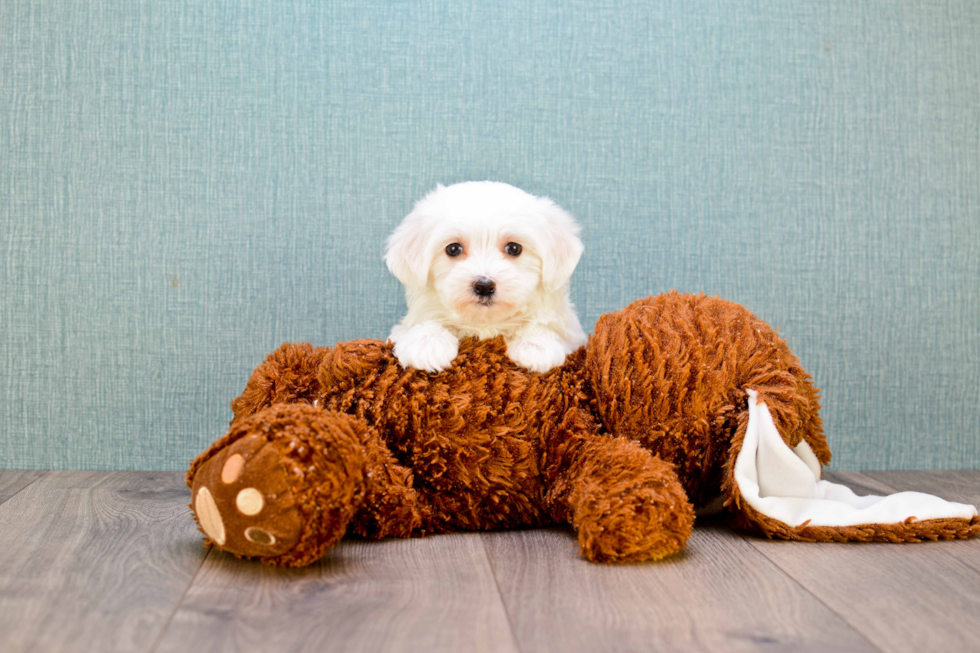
(784, 484)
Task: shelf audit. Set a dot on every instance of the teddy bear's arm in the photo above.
(624, 503)
(391, 507)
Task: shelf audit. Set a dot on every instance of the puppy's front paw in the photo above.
(537, 353)
(426, 346)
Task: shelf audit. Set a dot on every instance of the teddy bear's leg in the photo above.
(287, 375)
(286, 484)
(624, 503)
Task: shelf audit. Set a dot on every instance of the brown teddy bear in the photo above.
(623, 441)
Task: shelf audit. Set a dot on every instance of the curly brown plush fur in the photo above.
(622, 441)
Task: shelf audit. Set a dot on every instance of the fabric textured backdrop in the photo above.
(184, 186)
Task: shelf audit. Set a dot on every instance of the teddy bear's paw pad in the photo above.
(249, 501)
(232, 468)
(244, 502)
(208, 515)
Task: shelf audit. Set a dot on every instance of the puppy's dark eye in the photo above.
(513, 249)
(454, 249)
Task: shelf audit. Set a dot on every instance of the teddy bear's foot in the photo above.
(281, 486)
(244, 502)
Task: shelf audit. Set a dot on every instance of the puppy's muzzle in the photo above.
(484, 288)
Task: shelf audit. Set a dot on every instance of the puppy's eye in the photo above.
(513, 249)
(454, 249)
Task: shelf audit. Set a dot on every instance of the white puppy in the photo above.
(485, 259)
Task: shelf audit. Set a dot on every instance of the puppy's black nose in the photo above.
(484, 287)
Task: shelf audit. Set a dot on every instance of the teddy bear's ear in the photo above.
(560, 248)
(349, 363)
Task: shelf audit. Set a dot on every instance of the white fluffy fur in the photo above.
(530, 306)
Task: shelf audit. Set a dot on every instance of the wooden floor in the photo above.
(96, 561)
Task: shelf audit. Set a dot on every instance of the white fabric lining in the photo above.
(784, 484)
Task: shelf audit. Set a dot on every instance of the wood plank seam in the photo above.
(166, 625)
(851, 479)
(500, 595)
(842, 614)
(777, 568)
(30, 483)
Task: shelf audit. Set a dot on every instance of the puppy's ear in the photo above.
(407, 253)
(562, 248)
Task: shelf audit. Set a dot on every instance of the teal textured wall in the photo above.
(184, 186)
